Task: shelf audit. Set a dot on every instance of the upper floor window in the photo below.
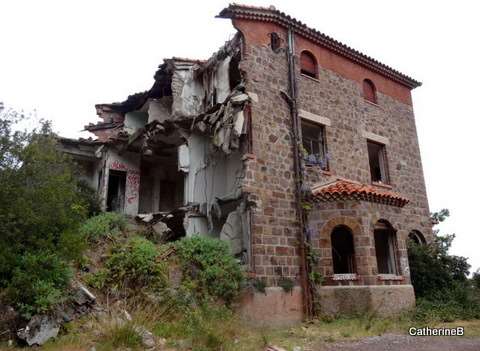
(369, 91)
(377, 157)
(308, 64)
(314, 144)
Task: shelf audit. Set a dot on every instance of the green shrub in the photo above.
(90, 197)
(443, 291)
(39, 282)
(131, 266)
(109, 223)
(209, 267)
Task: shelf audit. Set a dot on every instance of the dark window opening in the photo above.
(385, 248)
(167, 195)
(116, 190)
(417, 237)
(275, 41)
(342, 250)
(369, 91)
(234, 74)
(99, 180)
(308, 64)
(314, 144)
(378, 162)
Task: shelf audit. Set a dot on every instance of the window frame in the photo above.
(322, 144)
(351, 259)
(384, 228)
(382, 163)
(306, 72)
(373, 99)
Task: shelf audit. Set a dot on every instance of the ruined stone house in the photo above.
(298, 150)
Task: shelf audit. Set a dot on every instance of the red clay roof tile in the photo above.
(343, 189)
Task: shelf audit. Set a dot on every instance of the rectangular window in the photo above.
(377, 158)
(116, 190)
(386, 251)
(314, 144)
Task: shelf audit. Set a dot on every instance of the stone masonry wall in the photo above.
(269, 171)
(269, 175)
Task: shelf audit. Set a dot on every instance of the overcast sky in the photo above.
(62, 57)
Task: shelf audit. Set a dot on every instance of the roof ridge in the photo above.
(271, 14)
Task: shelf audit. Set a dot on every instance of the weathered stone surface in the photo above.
(148, 339)
(354, 300)
(39, 330)
(9, 320)
(269, 173)
(275, 307)
(83, 296)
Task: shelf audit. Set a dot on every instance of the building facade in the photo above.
(299, 151)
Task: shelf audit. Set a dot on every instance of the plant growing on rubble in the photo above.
(132, 265)
(109, 223)
(39, 281)
(209, 268)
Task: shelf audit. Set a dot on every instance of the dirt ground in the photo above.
(394, 342)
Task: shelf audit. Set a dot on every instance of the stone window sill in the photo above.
(323, 171)
(373, 104)
(390, 277)
(308, 77)
(382, 185)
(344, 277)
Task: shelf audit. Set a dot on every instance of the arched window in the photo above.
(308, 64)
(369, 91)
(342, 250)
(385, 248)
(417, 237)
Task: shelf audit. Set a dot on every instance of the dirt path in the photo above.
(393, 342)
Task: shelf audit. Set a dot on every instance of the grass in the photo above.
(211, 331)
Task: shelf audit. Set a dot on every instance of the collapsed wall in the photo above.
(177, 149)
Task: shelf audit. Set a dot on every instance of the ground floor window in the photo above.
(386, 248)
(342, 250)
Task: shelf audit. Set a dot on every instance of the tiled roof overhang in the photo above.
(273, 15)
(343, 189)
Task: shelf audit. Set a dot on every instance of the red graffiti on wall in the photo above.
(133, 180)
(117, 165)
(130, 199)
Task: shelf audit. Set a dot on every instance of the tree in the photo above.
(434, 272)
(40, 210)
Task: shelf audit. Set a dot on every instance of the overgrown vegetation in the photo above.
(440, 280)
(132, 267)
(209, 268)
(41, 208)
(95, 228)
